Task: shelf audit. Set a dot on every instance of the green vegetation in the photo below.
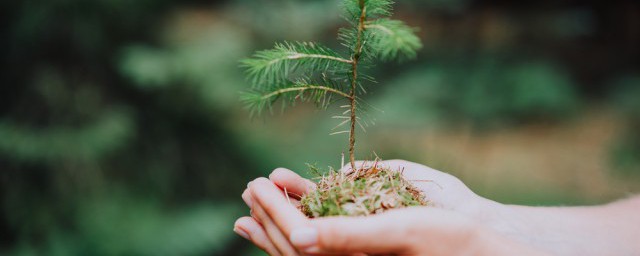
(626, 98)
(368, 190)
(311, 72)
(487, 93)
(121, 132)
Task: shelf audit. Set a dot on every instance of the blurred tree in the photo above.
(626, 99)
(96, 163)
(120, 129)
(487, 92)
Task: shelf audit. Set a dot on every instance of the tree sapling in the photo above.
(306, 71)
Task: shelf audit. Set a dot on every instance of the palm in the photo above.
(441, 189)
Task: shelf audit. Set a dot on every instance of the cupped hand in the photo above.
(451, 226)
(442, 190)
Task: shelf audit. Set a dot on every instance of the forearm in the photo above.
(612, 229)
(490, 243)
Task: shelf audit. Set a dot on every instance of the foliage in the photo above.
(283, 72)
(288, 71)
(393, 39)
(196, 66)
(120, 123)
(89, 142)
(487, 94)
(104, 227)
(625, 95)
(626, 149)
(112, 146)
(271, 67)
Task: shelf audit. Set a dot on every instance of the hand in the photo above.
(280, 229)
(443, 190)
(261, 228)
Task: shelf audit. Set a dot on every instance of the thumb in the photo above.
(383, 233)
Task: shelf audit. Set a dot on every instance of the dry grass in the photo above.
(366, 191)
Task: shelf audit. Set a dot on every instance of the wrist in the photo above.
(504, 220)
(531, 227)
(488, 242)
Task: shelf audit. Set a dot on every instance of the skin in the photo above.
(458, 222)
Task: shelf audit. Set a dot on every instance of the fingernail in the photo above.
(247, 199)
(304, 237)
(279, 169)
(313, 250)
(241, 232)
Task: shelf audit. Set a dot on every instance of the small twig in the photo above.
(304, 88)
(342, 160)
(434, 182)
(287, 195)
(376, 154)
(296, 196)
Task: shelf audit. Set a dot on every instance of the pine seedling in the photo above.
(307, 71)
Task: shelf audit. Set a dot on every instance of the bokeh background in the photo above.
(121, 132)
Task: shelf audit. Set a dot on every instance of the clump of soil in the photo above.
(366, 191)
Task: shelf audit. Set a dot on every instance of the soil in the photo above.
(366, 191)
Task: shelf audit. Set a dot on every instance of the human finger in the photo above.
(290, 181)
(383, 233)
(279, 240)
(284, 214)
(250, 229)
(246, 197)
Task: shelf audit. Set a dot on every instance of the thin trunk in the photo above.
(354, 83)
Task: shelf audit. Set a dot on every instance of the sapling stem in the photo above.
(307, 71)
(311, 72)
(354, 83)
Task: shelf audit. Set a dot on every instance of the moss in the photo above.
(369, 190)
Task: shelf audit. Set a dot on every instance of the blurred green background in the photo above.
(121, 132)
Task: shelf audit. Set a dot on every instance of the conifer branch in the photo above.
(272, 70)
(304, 88)
(272, 66)
(391, 39)
(301, 90)
(375, 9)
